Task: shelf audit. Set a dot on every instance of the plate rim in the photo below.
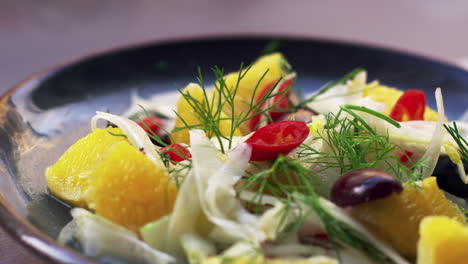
(45, 247)
(367, 44)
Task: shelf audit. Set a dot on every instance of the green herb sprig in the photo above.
(179, 171)
(458, 138)
(210, 111)
(340, 232)
(353, 144)
(291, 183)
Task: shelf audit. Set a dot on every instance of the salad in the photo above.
(246, 170)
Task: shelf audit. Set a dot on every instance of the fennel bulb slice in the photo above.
(135, 134)
(101, 239)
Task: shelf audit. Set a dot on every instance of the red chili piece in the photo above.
(405, 157)
(410, 106)
(281, 101)
(177, 152)
(278, 138)
(153, 123)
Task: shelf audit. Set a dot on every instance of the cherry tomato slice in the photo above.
(410, 106)
(281, 101)
(153, 123)
(177, 152)
(278, 138)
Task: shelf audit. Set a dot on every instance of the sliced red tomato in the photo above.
(152, 125)
(277, 138)
(410, 106)
(177, 152)
(280, 100)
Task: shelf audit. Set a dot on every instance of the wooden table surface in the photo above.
(39, 33)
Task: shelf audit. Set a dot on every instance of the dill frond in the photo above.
(352, 144)
(458, 138)
(177, 171)
(340, 232)
(348, 108)
(299, 185)
(151, 133)
(219, 104)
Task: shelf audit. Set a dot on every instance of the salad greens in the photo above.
(229, 207)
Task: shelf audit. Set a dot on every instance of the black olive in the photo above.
(362, 185)
(448, 179)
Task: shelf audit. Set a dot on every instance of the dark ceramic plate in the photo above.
(46, 113)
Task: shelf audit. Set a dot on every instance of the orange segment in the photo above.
(271, 67)
(189, 116)
(396, 219)
(67, 178)
(443, 241)
(390, 96)
(128, 189)
(244, 92)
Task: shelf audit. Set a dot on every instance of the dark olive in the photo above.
(448, 179)
(362, 185)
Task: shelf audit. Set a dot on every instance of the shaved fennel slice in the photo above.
(461, 172)
(314, 224)
(137, 135)
(329, 101)
(216, 190)
(431, 156)
(349, 93)
(355, 88)
(318, 254)
(162, 103)
(154, 233)
(276, 220)
(104, 240)
(186, 218)
(338, 213)
(196, 248)
(206, 200)
(241, 249)
(247, 195)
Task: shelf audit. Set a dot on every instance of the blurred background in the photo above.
(35, 34)
(38, 33)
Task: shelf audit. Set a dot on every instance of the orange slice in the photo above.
(67, 178)
(128, 189)
(396, 219)
(189, 115)
(443, 241)
(265, 70)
